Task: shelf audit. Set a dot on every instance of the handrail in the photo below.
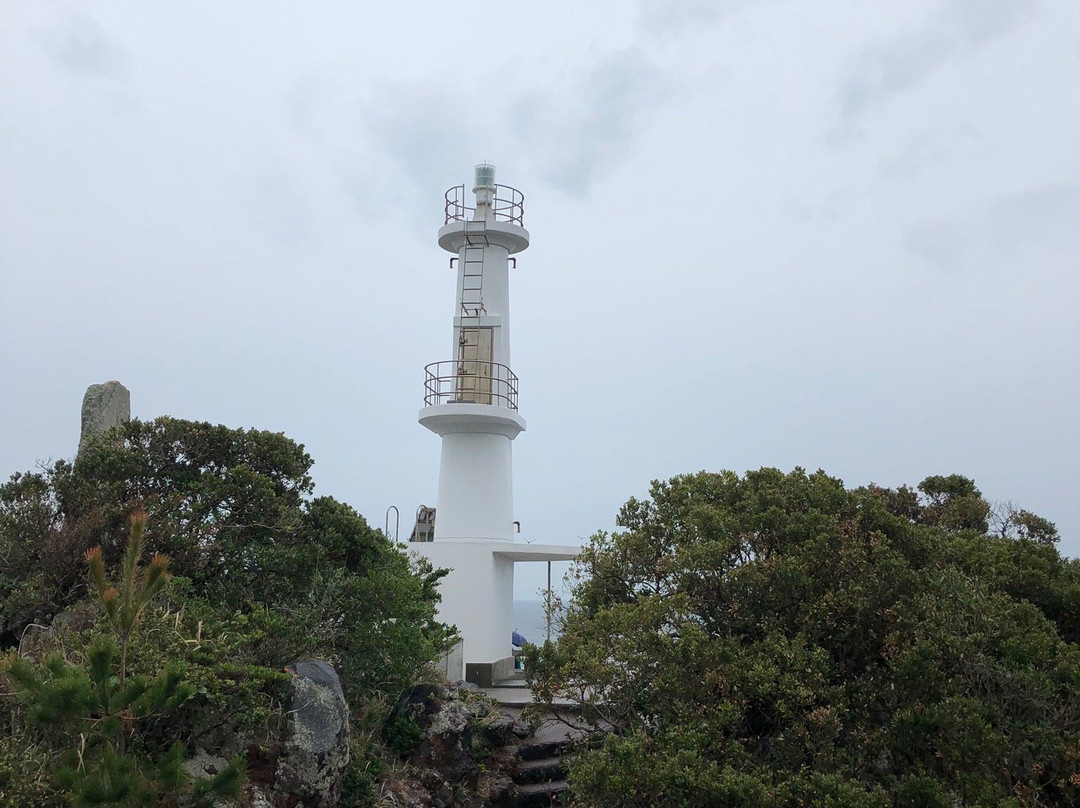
(508, 205)
(470, 381)
(397, 522)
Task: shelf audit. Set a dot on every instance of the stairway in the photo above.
(541, 773)
(541, 759)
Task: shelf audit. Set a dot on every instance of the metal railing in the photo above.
(470, 381)
(507, 206)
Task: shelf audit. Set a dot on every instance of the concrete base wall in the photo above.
(486, 674)
(452, 663)
(477, 595)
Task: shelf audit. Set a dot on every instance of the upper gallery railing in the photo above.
(507, 206)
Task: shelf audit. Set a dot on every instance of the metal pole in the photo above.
(397, 523)
(548, 609)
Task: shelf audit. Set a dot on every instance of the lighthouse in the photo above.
(471, 403)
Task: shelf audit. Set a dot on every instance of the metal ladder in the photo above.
(472, 271)
(470, 374)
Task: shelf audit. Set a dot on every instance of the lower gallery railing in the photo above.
(470, 381)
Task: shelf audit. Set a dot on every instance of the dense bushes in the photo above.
(265, 574)
(778, 640)
(105, 704)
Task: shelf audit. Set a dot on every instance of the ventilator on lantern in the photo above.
(471, 403)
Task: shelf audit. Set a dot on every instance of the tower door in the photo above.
(474, 364)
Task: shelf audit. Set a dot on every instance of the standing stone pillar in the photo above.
(104, 406)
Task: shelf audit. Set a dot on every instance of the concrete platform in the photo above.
(515, 693)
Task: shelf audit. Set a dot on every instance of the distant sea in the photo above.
(530, 622)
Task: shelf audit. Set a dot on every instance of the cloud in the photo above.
(958, 28)
(1046, 216)
(582, 127)
(279, 205)
(942, 244)
(667, 17)
(423, 132)
(573, 129)
(411, 133)
(926, 150)
(80, 44)
(1042, 215)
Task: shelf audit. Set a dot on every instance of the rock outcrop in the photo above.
(302, 765)
(104, 406)
(463, 748)
(316, 746)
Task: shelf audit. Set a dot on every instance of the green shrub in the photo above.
(365, 765)
(233, 510)
(102, 704)
(778, 639)
(402, 734)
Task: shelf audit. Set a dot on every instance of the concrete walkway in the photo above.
(514, 693)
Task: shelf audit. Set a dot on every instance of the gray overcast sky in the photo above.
(828, 234)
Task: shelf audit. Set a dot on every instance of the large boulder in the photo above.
(300, 766)
(315, 751)
(104, 406)
(444, 726)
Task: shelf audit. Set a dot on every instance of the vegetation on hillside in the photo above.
(779, 640)
(765, 640)
(263, 573)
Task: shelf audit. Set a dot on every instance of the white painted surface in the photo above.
(477, 596)
(475, 502)
(539, 552)
(452, 663)
(445, 419)
(476, 497)
(511, 236)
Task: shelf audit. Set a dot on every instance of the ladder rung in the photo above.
(472, 278)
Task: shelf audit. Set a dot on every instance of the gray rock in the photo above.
(443, 797)
(203, 765)
(258, 799)
(495, 788)
(499, 730)
(316, 748)
(453, 718)
(104, 406)
(320, 672)
(447, 744)
(419, 703)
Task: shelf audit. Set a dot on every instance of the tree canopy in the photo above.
(263, 573)
(779, 640)
(233, 509)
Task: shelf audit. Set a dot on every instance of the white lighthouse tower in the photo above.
(471, 402)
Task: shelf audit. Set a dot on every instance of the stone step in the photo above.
(513, 681)
(540, 750)
(541, 795)
(543, 770)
